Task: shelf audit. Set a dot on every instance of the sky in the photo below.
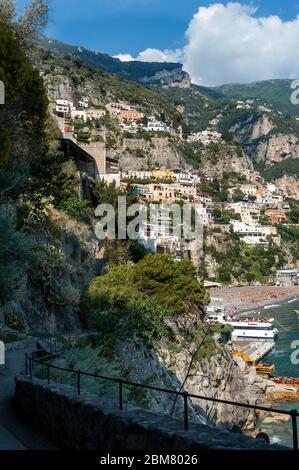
(217, 42)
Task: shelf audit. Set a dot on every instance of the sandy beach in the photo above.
(253, 297)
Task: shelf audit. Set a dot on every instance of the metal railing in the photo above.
(30, 361)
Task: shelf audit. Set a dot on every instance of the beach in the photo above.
(248, 298)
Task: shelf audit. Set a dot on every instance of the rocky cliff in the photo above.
(185, 365)
(141, 154)
(263, 141)
(169, 78)
(290, 184)
(48, 300)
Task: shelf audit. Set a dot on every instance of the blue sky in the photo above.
(115, 26)
(217, 42)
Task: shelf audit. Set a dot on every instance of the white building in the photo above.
(249, 213)
(255, 234)
(185, 191)
(248, 190)
(157, 126)
(136, 174)
(64, 106)
(83, 102)
(187, 177)
(110, 178)
(271, 187)
(206, 137)
(204, 198)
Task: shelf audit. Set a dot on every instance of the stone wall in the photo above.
(89, 422)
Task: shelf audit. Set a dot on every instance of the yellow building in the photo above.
(163, 174)
(161, 193)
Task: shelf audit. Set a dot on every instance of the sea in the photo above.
(287, 321)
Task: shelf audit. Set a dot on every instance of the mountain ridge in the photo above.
(152, 73)
(275, 93)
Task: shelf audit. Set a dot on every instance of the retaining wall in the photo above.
(91, 422)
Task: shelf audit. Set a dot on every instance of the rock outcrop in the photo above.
(275, 149)
(248, 131)
(138, 154)
(48, 300)
(258, 137)
(184, 365)
(169, 78)
(289, 184)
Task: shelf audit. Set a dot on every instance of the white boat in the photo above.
(246, 328)
(267, 307)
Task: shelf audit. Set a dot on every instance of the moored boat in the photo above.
(246, 328)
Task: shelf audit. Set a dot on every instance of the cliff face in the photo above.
(169, 78)
(182, 365)
(248, 131)
(262, 144)
(290, 184)
(138, 154)
(275, 149)
(48, 299)
(227, 161)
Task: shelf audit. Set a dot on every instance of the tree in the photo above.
(25, 26)
(158, 277)
(238, 195)
(25, 111)
(7, 11)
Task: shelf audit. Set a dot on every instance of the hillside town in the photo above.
(252, 206)
(149, 232)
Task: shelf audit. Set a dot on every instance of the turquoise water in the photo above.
(287, 322)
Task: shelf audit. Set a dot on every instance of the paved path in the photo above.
(14, 434)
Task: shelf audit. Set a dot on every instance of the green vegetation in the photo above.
(36, 180)
(15, 250)
(197, 109)
(24, 113)
(88, 359)
(218, 189)
(241, 262)
(135, 299)
(293, 214)
(290, 239)
(77, 208)
(289, 166)
(192, 153)
(274, 93)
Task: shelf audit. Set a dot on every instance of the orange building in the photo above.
(130, 116)
(276, 215)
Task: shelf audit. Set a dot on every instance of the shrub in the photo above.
(77, 208)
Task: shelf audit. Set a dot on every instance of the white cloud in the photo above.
(230, 43)
(124, 57)
(153, 55)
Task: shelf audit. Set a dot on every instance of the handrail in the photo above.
(185, 395)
